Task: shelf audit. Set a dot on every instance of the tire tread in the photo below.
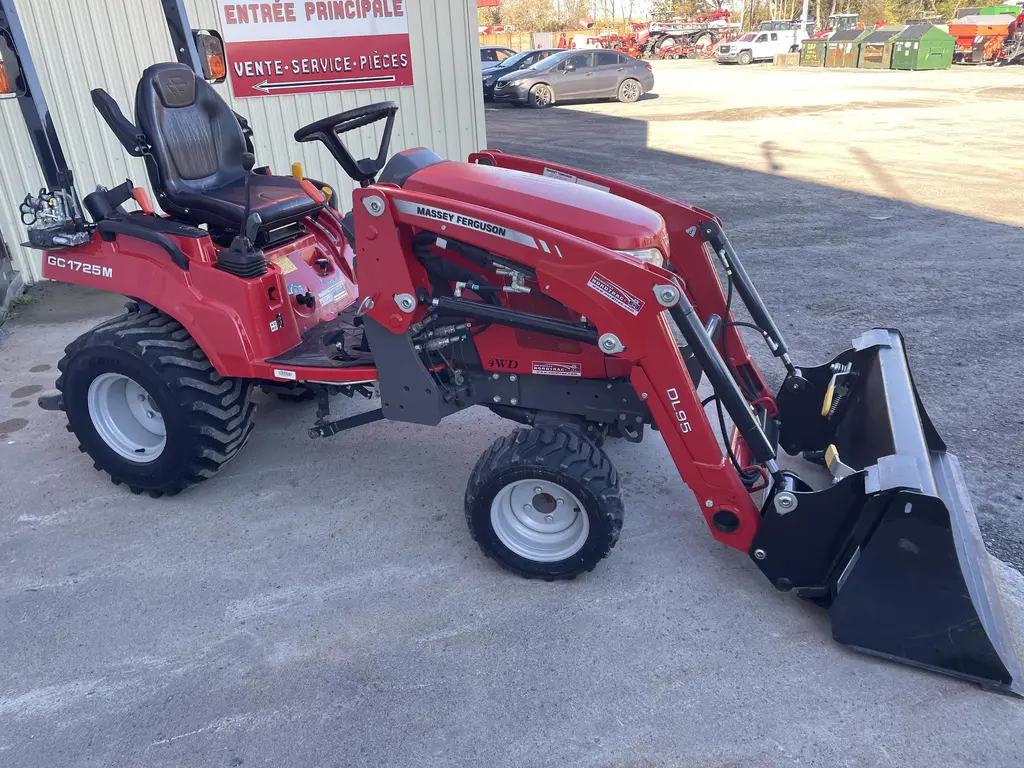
(561, 448)
(219, 410)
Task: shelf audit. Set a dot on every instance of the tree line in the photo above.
(555, 15)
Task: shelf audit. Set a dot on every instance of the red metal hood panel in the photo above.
(591, 214)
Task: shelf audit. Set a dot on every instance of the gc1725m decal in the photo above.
(79, 266)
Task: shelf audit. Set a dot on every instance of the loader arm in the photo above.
(623, 300)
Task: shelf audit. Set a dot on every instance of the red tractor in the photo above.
(549, 295)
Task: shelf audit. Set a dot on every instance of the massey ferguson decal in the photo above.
(615, 294)
(313, 47)
(459, 220)
(557, 369)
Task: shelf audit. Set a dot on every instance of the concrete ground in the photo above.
(323, 604)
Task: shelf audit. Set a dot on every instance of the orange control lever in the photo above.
(141, 196)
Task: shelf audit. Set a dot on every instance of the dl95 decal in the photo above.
(79, 266)
(684, 423)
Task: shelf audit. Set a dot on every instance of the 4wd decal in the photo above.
(501, 362)
(460, 220)
(615, 294)
(557, 369)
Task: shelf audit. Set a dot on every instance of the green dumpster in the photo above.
(876, 48)
(843, 47)
(812, 53)
(923, 46)
(999, 10)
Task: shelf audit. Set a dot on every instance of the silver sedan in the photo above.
(597, 74)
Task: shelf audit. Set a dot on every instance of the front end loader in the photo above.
(580, 307)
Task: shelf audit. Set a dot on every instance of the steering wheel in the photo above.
(329, 129)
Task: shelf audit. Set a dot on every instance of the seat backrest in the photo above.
(197, 143)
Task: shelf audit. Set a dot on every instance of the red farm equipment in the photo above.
(551, 296)
(1013, 46)
(680, 37)
(982, 39)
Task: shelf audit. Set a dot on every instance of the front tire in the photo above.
(745, 57)
(541, 96)
(545, 503)
(630, 91)
(147, 405)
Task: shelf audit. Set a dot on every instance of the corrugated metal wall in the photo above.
(83, 44)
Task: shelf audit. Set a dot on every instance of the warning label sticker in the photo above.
(333, 294)
(285, 264)
(551, 173)
(557, 369)
(615, 294)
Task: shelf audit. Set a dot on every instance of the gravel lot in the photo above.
(323, 604)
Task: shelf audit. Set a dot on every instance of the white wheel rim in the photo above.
(540, 520)
(543, 96)
(126, 418)
(631, 91)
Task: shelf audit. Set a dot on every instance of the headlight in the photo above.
(650, 255)
(489, 79)
(513, 83)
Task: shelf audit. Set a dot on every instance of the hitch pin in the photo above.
(838, 369)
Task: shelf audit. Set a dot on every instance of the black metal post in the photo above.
(725, 386)
(488, 313)
(30, 96)
(181, 35)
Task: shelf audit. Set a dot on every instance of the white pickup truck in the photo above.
(760, 46)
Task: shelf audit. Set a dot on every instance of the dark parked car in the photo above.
(568, 75)
(492, 55)
(523, 60)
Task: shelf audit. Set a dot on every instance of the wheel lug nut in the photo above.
(528, 507)
(538, 489)
(142, 398)
(560, 502)
(549, 518)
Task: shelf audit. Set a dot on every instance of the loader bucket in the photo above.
(892, 547)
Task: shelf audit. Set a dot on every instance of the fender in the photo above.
(238, 323)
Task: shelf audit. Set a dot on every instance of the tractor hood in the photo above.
(586, 212)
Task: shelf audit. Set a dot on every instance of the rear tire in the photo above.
(148, 407)
(745, 57)
(541, 96)
(545, 503)
(630, 91)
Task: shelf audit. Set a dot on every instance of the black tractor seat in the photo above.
(193, 145)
